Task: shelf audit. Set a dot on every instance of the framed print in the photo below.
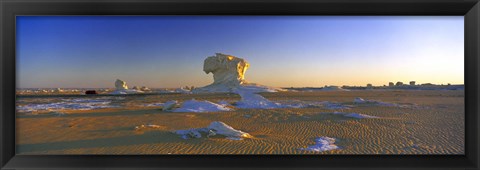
(251, 84)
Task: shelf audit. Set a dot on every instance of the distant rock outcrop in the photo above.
(136, 88)
(228, 75)
(120, 85)
(122, 88)
(333, 88)
(144, 88)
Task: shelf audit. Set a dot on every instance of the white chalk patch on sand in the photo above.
(147, 126)
(80, 100)
(322, 144)
(182, 90)
(67, 104)
(215, 128)
(251, 100)
(359, 100)
(256, 88)
(201, 106)
(234, 138)
(293, 104)
(191, 133)
(224, 103)
(309, 104)
(169, 105)
(360, 116)
(333, 106)
(355, 115)
(154, 105)
(126, 91)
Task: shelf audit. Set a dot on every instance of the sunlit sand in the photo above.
(421, 122)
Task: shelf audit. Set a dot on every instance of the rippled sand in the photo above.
(435, 125)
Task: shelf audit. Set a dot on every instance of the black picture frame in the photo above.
(470, 9)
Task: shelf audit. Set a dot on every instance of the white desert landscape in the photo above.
(234, 116)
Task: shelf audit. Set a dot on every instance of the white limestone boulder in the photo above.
(120, 85)
(122, 88)
(215, 128)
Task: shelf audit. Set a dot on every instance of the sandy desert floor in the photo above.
(431, 122)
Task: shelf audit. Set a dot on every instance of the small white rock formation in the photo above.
(229, 75)
(144, 88)
(122, 88)
(120, 85)
(215, 128)
(323, 143)
(225, 130)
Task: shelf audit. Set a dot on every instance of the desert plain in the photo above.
(398, 122)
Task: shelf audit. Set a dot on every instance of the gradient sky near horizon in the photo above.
(283, 51)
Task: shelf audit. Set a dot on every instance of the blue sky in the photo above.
(168, 51)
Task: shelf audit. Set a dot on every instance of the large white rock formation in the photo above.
(226, 69)
(228, 75)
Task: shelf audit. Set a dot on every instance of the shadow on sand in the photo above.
(148, 137)
(96, 114)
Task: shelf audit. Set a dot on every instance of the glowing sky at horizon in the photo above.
(283, 51)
